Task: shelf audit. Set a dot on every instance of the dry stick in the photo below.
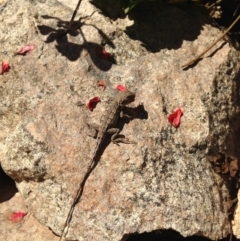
(236, 9)
(231, 231)
(205, 51)
(210, 6)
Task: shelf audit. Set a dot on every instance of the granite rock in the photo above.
(165, 180)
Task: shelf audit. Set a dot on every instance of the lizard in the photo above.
(107, 126)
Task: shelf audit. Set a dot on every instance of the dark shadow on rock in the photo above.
(110, 8)
(7, 187)
(229, 12)
(157, 24)
(73, 50)
(163, 235)
(168, 235)
(138, 112)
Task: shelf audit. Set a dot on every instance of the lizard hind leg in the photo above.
(93, 129)
(116, 138)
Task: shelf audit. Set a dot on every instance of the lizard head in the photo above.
(126, 98)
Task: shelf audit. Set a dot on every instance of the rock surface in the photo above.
(236, 223)
(25, 229)
(165, 180)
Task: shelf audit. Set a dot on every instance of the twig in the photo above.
(231, 230)
(236, 9)
(205, 51)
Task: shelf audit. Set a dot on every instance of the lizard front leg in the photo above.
(93, 129)
(116, 138)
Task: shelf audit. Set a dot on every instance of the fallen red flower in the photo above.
(92, 103)
(26, 49)
(174, 118)
(121, 88)
(5, 67)
(102, 83)
(17, 216)
(103, 54)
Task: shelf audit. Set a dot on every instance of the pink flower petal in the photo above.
(121, 88)
(26, 49)
(174, 118)
(92, 103)
(5, 67)
(102, 83)
(103, 54)
(17, 216)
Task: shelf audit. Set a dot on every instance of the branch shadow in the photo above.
(159, 25)
(71, 50)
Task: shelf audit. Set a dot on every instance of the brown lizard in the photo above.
(107, 126)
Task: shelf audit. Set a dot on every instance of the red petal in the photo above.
(102, 83)
(103, 54)
(26, 49)
(174, 118)
(121, 88)
(92, 103)
(17, 216)
(5, 67)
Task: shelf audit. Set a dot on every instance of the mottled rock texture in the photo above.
(165, 180)
(236, 223)
(25, 229)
